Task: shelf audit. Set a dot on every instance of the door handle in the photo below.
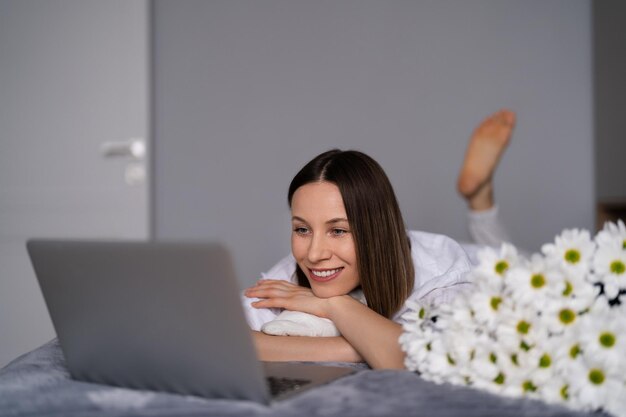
(134, 148)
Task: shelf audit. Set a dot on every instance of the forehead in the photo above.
(318, 200)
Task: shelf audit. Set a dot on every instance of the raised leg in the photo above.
(485, 148)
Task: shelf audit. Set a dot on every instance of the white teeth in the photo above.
(325, 274)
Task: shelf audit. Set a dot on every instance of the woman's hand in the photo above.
(284, 294)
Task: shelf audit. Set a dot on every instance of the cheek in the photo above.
(298, 247)
(347, 252)
(350, 258)
(355, 281)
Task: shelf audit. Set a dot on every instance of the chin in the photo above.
(328, 292)
(323, 292)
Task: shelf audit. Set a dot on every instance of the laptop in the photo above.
(161, 316)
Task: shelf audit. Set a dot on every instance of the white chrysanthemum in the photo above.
(572, 250)
(439, 367)
(617, 404)
(561, 315)
(461, 350)
(545, 367)
(417, 316)
(555, 390)
(536, 329)
(488, 307)
(485, 372)
(612, 235)
(593, 385)
(519, 379)
(609, 264)
(493, 265)
(457, 317)
(519, 328)
(417, 346)
(577, 289)
(456, 310)
(603, 336)
(530, 369)
(567, 349)
(535, 283)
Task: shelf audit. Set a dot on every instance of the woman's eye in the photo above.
(339, 232)
(301, 230)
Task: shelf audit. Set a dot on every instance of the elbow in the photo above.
(395, 362)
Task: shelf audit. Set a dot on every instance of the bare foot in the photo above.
(484, 151)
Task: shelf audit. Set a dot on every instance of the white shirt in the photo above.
(440, 265)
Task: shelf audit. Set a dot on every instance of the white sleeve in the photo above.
(441, 267)
(486, 229)
(257, 317)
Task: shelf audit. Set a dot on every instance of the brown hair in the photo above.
(382, 246)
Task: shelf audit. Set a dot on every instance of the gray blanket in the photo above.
(38, 383)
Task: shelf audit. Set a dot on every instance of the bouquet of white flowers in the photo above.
(551, 327)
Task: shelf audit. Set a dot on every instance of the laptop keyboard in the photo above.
(282, 385)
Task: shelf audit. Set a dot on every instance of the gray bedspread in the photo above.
(38, 383)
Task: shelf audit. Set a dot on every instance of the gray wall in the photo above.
(247, 91)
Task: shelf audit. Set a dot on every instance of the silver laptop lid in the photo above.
(160, 315)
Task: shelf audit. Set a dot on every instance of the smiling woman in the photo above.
(322, 241)
(351, 185)
(347, 234)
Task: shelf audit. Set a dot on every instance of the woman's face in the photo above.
(321, 239)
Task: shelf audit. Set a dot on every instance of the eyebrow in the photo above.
(331, 221)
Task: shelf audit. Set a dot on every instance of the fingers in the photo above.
(277, 294)
(265, 284)
(275, 282)
(274, 288)
(267, 292)
(270, 303)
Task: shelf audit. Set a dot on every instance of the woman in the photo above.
(348, 232)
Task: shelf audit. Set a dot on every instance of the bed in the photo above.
(38, 383)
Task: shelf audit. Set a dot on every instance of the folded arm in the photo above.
(366, 335)
(301, 348)
(373, 336)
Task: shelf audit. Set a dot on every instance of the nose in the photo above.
(319, 249)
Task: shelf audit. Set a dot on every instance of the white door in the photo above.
(73, 75)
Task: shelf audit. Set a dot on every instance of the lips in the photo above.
(324, 275)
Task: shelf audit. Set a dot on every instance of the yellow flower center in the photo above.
(617, 267)
(596, 376)
(567, 316)
(528, 386)
(537, 281)
(495, 302)
(607, 339)
(499, 379)
(568, 289)
(501, 267)
(574, 351)
(545, 361)
(523, 327)
(572, 256)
